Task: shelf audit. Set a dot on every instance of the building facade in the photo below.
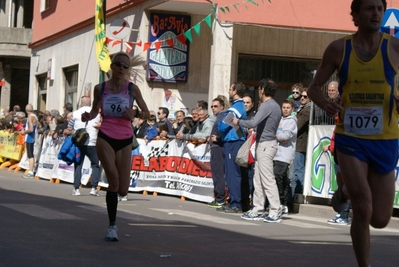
(16, 33)
(246, 41)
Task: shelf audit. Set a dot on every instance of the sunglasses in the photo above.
(121, 64)
(214, 106)
(304, 96)
(295, 92)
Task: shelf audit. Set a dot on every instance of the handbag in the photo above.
(135, 143)
(243, 153)
(80, 136)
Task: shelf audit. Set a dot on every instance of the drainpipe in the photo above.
(10, 13)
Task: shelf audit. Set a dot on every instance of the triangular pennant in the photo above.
(236, 8)
(228, 9)
(116, 42)
(129, 46)
(181, 38)
(197, 28)
(188, 35)
(170, 43)
(157, 46)
(108, 40)
(252, 2)
(138, 43)
(222, 9)
(146, 46)
(208, 20)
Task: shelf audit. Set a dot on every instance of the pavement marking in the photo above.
(321, 243)
(205, 217)
(163, 225)
(41, 212)
(300, 224)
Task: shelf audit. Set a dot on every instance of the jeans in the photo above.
(91, 153)
(299, 173)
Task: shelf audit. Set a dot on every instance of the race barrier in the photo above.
(176, 167)
(320, 180)
(11, 148)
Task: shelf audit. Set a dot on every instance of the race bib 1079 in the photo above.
(363, 120)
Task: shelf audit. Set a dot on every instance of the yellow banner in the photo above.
(102, 52)
(8, 146)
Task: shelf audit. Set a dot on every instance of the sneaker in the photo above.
(122, 198)
(339, 201)
(112, 233)
(76, 192)
(340, 221)
(29, 175)
(284, 210)
(94, 192)
(232, 209)
(272, 219)
(251, 216)
(333, 220)
(222, 208)
(215, 204)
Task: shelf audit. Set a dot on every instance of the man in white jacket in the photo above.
(286, 136)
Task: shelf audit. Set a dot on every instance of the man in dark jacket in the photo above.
(303, 115)
(217, 156)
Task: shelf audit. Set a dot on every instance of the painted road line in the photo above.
(41, 212)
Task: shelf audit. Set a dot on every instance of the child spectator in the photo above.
(151, 131)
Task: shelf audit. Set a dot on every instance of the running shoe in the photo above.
(336, 217)
(252, 216)
(29, 175)
(94, 192)
(76, 192)
(215, 204)
(112, 234)
(272, 219)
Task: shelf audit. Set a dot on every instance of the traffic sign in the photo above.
(120, 29)
(390, 22)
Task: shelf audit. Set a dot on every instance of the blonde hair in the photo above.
(121, 53)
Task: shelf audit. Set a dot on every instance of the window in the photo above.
(71, 85)
(44, 5)
(284, 71)
(42, 92)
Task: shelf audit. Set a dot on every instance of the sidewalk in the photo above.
(323, 210)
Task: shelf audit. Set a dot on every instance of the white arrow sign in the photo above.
(391, 23)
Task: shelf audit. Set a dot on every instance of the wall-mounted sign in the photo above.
(167, 56)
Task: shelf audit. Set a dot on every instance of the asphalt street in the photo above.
(42, 224)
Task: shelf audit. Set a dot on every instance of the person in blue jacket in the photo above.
(233, 138)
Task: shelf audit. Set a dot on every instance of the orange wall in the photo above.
(308, 14)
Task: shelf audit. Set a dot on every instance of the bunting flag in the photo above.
(187, 35)
(102, 52)
(236, 5)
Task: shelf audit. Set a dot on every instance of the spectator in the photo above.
(178, 125)
(163, 131)
(296, 96)
(217, 156)
(163, 114)
(233, 140)
(286, 136)
(67, 109)
(17, 125)
(266, 121)
(303, 115)
(194, 116)
(202, 104)
(88, 149)
(141, 126)
(225, 100)
(151, 131)
(61, 125)
(30, 131)
(187, 122)
(247, 181)
(203, 130)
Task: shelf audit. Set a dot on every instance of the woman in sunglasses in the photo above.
(114, 99)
